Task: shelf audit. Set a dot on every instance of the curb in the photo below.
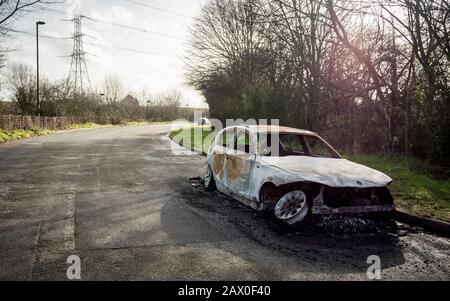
(64, 131)
(430, 224)
(192, 149)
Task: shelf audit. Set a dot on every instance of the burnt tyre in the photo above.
(292, 208)
(209, 182)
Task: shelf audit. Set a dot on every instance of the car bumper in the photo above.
(322, 209)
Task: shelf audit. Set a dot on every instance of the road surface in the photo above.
(124, 203)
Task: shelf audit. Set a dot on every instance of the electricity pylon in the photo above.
(78, 78)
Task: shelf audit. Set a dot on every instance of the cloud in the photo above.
(138, 71)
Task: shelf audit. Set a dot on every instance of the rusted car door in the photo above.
(239, 163)
(224, 144)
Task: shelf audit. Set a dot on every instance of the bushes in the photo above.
(322, 66)
(6, 136)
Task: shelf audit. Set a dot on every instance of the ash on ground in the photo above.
(332, 224)
(354, 224)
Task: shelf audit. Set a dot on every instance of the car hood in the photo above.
(329, 171)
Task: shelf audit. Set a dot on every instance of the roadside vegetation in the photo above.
(10, 135)
(372, 76)
(115, 107)
(138, 123)
(188, 137)
(88, 125)
(93, 125)
(418, 187)
(6, 136)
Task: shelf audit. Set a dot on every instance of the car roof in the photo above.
(274, 129)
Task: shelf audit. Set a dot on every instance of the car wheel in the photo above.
(210, 184)
(292, 208)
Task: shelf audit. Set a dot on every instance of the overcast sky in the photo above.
(156, 72)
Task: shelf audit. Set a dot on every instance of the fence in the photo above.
(14, 122)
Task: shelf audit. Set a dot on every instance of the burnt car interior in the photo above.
(226, 138)
(346, 196)
(240, 142)
(291, 144)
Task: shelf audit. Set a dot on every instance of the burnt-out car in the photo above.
(294, 173)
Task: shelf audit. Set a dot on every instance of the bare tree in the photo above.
(22, 83)
(56, 99)
(113, 88)
(302, 35)
(230, 59)
(164, 106)
(9, 9)
(423, 25)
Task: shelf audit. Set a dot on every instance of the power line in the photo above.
(18, 53)
(95, 44)
(129, 49)
(134, 66)
(159, 9)
(54, 11)
(133, 28)
(32, 34)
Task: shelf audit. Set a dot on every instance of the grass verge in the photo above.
(10, 135)
(6, 136)
(88, 125)
(188, 137)
(415, 186)
(139, 123)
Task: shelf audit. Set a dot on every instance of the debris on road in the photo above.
(197, 182)
(354, 224)
(331, 224)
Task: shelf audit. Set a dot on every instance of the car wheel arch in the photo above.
(269, 192)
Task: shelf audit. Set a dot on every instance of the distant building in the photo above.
(130, 100)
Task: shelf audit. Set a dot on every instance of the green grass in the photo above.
(6, 136)
(187, 137)
(139, 123)
(88, 125)
(10, 135)
(416, 186)
(92, 125)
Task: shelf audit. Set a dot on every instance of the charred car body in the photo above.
(294, 173)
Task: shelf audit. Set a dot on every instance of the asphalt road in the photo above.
(123, 202)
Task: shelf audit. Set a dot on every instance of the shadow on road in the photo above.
(311, 251)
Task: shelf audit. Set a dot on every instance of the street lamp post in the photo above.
(38, 105)
(101, 102)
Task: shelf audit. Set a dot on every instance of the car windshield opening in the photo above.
(291, 144)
